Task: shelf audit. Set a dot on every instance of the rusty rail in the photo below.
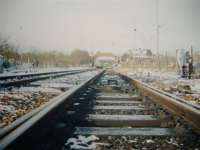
(187, 111)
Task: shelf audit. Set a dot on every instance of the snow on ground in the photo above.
(39, 89)
(65, 82)
(7, 108)
(25, 70)
(183, 88)
(82, 142)
(152, 75)
(53, 85)
(169, 82)
(38, 70)
(31, 70)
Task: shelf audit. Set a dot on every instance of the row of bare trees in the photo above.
(54, 58)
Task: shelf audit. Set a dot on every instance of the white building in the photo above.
(140, 53)
(140, 58)
(104, 61)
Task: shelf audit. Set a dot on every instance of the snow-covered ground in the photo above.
(169, 82)
(38, 70)
(186, 89)
(82, 142)
(153, 75)
(65, 81)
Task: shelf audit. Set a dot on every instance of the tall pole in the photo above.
(157, 33)
(191, 63)
(166, 56)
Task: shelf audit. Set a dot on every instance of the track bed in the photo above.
(108, 113)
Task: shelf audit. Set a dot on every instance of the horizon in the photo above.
(114, 25)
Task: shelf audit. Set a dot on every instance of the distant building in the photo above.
(140, 57)
(99, 53)
(104, 59)
(141, 53)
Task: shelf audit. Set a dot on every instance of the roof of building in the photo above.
(98, 54)
(105, 58)
(141, 53)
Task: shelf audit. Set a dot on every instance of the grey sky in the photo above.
(100, 24)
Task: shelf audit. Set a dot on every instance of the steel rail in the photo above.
(17, 130)
(13, 76)
(21, 75)
(40, 77)
(189, 112)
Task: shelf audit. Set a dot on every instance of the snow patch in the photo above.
(82, 142)
(149, 141)
(39, 89)
(76, 104)
(7, 108)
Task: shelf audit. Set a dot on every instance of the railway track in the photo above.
(176, 105)
(108, 111)
(19, 104)
(26, 78)
(21, 75)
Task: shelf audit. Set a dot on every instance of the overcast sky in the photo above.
(111, 25)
